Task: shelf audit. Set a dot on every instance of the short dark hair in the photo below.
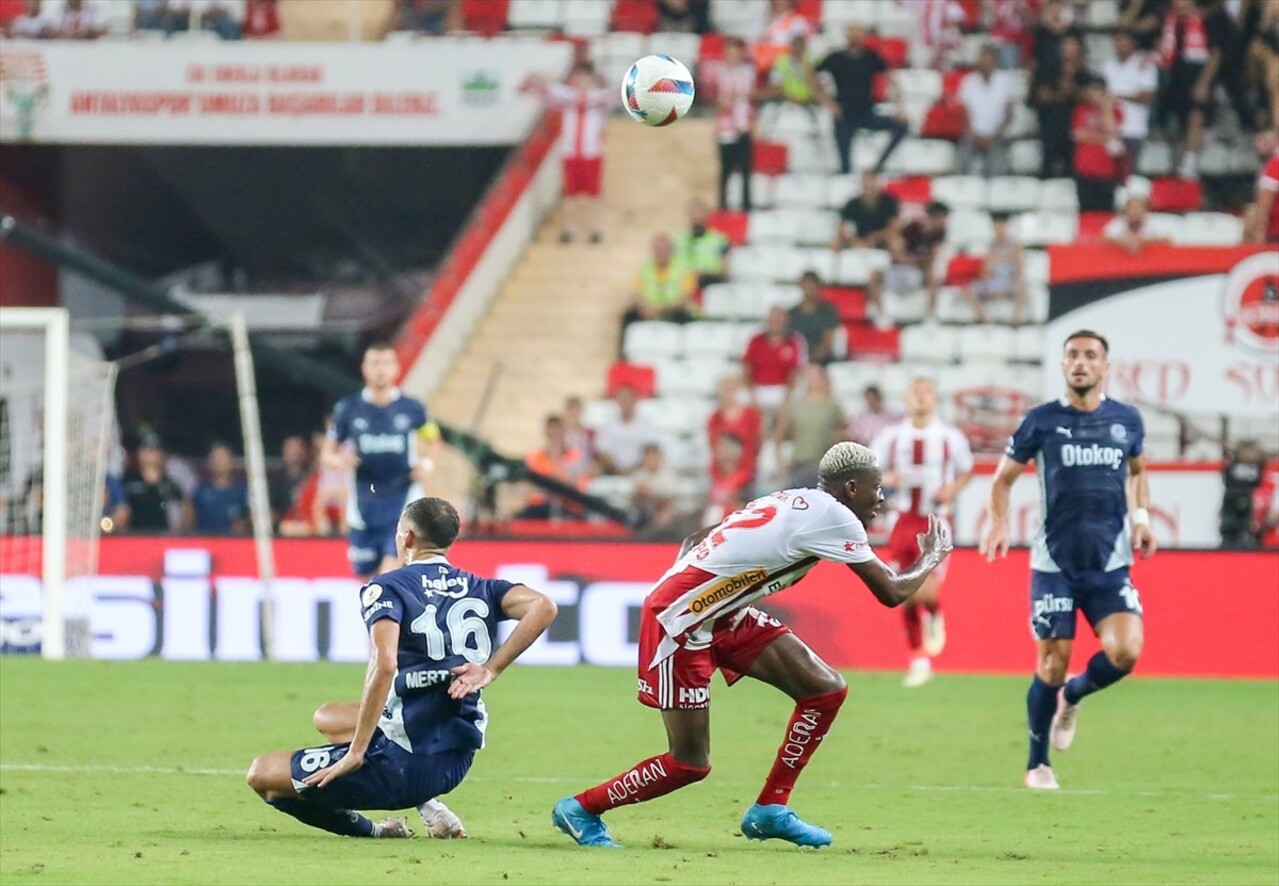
(874, 389)
(379, 344)
(1088, 333)
(434, 520)
(811, 275)
(936, 207)
(1001, 216)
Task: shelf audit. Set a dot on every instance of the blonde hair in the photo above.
(843, 460)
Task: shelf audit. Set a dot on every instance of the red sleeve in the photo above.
(752, 352)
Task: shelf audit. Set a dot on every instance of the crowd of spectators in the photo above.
(87, 19)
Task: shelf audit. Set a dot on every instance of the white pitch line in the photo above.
(532, 779)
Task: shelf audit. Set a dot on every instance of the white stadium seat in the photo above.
(921, 82)
(548, 14)
(615, 52)
(923, 157)
(840, 189)
(1211, 229)
(787, 295)
(821, 260)
(1025, 156)
(684, 47)
(586, 18)
(1155, 158)
(849, 379)
(777, 225)
(952, 307)
(971, 229)
(645, 340)
(1028, 343)
(854, 266)
(960, 191)
(816, 228)
(1013, 193)
(1036, 303)
(898, 20)
(741, 17)
(1059, 194)
(680, 416)
(617, 491)
(902, 308)
(1044, 228)
(837, 14)
(758, 263)
(597, 413)
(928, 343)
(800, 191)
(710, 339)
(986, 341)
(810, 155)
(1034, 266)
(1169, 223)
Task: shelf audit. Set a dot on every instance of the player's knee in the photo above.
(833, 683)
(1052, 668)
(1125, 655)
(322, 719)
(693, 765)
(256, 777)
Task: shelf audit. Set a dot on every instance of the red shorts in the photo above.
(582, 176)
(903, 547)
(682, 681)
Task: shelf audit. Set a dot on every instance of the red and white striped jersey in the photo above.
(584, 114)
(924, 459)
(764, 548)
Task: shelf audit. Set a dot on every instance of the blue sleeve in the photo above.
(1138, 443)
(493, 590)
(340, 430)
(420, 414)
(1024, 443)
(379, 600)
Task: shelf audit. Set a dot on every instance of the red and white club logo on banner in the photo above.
(1252, 303)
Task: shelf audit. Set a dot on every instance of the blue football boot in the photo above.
(778, 822)
(585, 829)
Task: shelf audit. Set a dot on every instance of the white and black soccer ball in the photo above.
(657, 90)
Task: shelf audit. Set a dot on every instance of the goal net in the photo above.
(57, 423)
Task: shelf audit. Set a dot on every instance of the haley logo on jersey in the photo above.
(1073, 455)
(456, 587)
(725, 589)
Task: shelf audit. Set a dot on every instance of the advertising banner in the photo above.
(444, 91)
(1193, 330)
(1207, 613)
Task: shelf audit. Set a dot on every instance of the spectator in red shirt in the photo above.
(1099, 150)
(771, 362)
(738, 419)
(1262, 225)
(1190, 50)
(730, 480)
(261, 19)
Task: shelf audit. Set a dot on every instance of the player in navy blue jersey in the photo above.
(1092, 476)
(434, 646)
(389, 440)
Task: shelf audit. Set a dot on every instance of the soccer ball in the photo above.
(657, 90)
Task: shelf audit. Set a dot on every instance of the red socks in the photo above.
(808, 726)
(914, 627)
(647, 780)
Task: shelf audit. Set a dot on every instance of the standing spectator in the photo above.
(939, 33)
(555, 460)
(867, 424)
(221, 502)
(784, 25)
(854, 69)
(772, 362)
(987, 95)
(1054, 91)
(1241, 474)
(664, 288)
(151, 15)
(619, 444)
(155, 501)
(576, 434)
(684, 16)
(736, 417)
(1099, 151)
(1055, 26)
(812, 422)
(655, 490)
(1010, 22)
(734, 119)
(1133, 229)
(261, 19)
(584, 103)
(869, 220)
(33, 23)
(81, 20)
(702, 248)
(433, 18)
(1144, 19)
(1001, 274)
(286, 491)
(793, 77)
(914, 261)
(1133, 79)
(1190, 54)
(1262, 222)
(816, 319)
(730, 480)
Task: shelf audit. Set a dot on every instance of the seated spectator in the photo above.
(1001, 274)
(557, 461)
(1132, 78)
(793, 76)
(207, 15)
(811, 421)
(221, 502)
(434, 18)
(869, 220)
(1055, 88)
(784, 25)
(156, 503)
(287, 488)
(619, 444)
(914, 262)
(33, 23)
(81, 20)
(1099, 152)
(332, 490)
(1144, 19)
(655, 489)
(1262, 221)
(701, 248)
(684, 16)
(151, 15)
(987, 95)
(731, 481)
(737, 417)
(853, 70)
(664, 288)
(1191, 56)
(261, 19)
(576, 434)
(867, 424)
(1133, 229)
(772, 362)
(816, 319)
(735, 96)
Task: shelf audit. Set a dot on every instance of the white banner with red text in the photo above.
(446, 91)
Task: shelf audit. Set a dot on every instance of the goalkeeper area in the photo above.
(1169, 781)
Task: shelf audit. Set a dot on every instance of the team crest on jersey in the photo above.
(370, 595)
(1118, 432)
(401, 422)
(360, 424)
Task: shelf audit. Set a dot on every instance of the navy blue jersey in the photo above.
(1082, 463)
(447, 617)
(385, 439)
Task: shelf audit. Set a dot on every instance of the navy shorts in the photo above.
(367, 547)
(1054, 599)
(391, 777)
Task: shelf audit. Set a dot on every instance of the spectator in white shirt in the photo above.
(619, 444)
(734, 119)
(1133, 79)
(33, 23)
(81, 20)
(1133, 229)
(987, 94)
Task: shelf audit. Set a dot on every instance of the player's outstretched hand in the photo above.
(469, 678)
(349, 763)
(1144, 540)
(936, 541)
(994, 541)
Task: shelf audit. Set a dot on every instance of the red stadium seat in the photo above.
(1175, 195)
(487, 17)
(731, 223)
(1091, 223)
(711, 48)
(849, 302)
(946, 119)
(771, 158)
(963, 269)
(893, 49)
(879, 91)
(911, 189)
(811, 10)
(635, 15)
(632, 375)
(865, 340)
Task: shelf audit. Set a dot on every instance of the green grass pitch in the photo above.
(131, 773)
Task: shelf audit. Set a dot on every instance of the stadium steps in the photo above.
(554, 324)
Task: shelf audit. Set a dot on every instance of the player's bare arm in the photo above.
(384, 639)
(333, 455)
(1138, 489)
(894, 588)
(950, 491)
(534, 611)
(994, 541)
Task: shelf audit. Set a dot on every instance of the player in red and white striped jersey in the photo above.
(926, 462)
(699, 617)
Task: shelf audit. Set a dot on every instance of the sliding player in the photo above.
(421, 719)
(926, 462)
(698, 618)
(378, 433)
(1092, 473)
